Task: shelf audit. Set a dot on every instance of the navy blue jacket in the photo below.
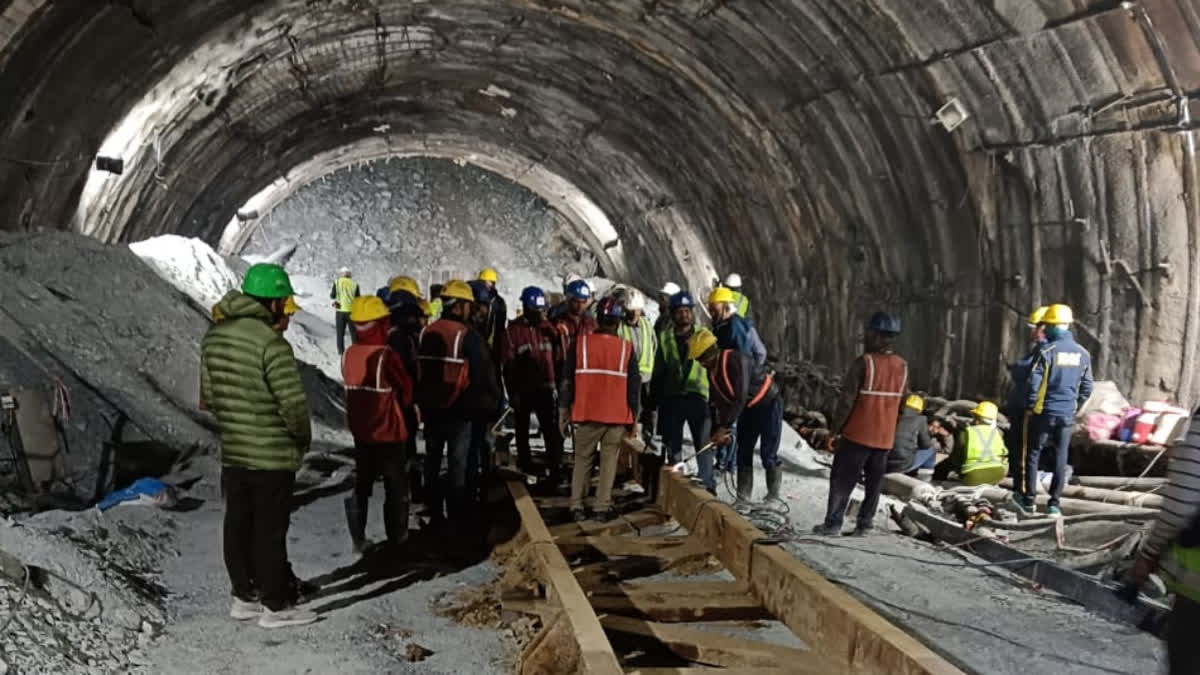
(1061, 377)
(739, 334)
(1018, 372)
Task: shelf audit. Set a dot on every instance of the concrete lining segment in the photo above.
(818, 612)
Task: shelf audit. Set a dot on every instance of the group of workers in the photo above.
(592, 369)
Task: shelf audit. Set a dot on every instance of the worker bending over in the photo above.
(913, 448)
(599, 391)
(1173, 546)
(980, 456)
(345, 290)
(378, 389)
(679, 388)
(1060, 380)
(742, 392)
(535, 355)
(865, 418)
(740, 302)
(250, 381)
(451, 358)
(733, 331)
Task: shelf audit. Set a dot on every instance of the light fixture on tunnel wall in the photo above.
(952, 114)
(243, 216)
(110, 164)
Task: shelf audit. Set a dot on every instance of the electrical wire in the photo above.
(12, 615)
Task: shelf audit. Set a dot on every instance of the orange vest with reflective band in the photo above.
(872, 421)
(372, 409)
(602, 380)
(723, 386)
(442, 366)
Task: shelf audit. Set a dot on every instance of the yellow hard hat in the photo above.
(700, 342)
(986, 410)
(403, 283)
(915, 402)
(426, 308)
(367, 308)
(1038, 314)
(289, 306)
(720, 295)
(488, 274)
(1058, 314)
(458, 290)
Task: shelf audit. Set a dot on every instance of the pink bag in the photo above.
(1101, 426)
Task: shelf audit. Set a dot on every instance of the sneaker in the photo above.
(286, 617)
(243, 610)
(1018, 502)
(1053, 511)
(825, 531)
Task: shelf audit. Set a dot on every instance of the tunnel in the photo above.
(957, 162)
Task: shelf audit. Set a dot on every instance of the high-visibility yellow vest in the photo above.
(986, 458)
(742, 303)
(1181, 571)
(435, 309)
(346, 288)
(644, 342)
(697, 377)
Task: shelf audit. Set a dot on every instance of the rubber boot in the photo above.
(356, 521)
(745, 483)
(774, 480)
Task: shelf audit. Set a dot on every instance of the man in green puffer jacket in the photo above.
(249, 379)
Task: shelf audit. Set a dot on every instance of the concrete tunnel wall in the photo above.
(788, 140)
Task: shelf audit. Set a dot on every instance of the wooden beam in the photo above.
(680, 602)
(818, 612)
(716, 649)
(634, 566)
(576, 637)
(610, 545)
(628, 522)
(709, 671)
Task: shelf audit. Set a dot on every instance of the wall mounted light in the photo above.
(952, 114)
(111, 164)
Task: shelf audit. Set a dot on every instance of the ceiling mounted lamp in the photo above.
(110, 164)
(951, 115)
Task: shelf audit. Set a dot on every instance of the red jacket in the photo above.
(573, 327)
(534, 355)
(378, 388)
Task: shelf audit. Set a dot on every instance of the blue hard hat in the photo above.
(533, 298)
(680, 299)
(482, 293)
(610, 308)
(882, 322)
(579, 290)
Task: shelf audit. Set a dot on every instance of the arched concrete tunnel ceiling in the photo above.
(791, 140)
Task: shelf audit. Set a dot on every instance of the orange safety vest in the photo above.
(444, 371)
(873, 419)
(372, 410)
(723, 385)
(602, 380)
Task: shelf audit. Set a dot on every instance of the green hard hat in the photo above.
(267, 280)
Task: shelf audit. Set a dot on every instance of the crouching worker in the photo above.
(250, 381)
(913, 450)
(378, 389)
(599, 391)
(980, 456)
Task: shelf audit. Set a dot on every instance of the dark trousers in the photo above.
(1040, 430)
(451, 435)
(764, 421)
(389, 462)
(728, 452)
(342, 326)
(258, 509)
(1183, 652)
(648, 417)
(543, 405)
(690, 409)
(410, 453)
(851, 462)
(479, 461)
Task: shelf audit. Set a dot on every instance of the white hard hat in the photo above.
(345, 271)
(670, 288)
(634, 300)
(734, 280)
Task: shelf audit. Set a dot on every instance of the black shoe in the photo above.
(305, 590)
(825, 531)
(578, 515)
(861, 531)
(602, 516)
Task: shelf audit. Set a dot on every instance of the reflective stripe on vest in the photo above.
(367, 352)
(373, 412)
(1181, 571)
(644, 344)
(345, 293)
(602, 380)
(444, 371)
(872, 421)
(984, 452)
(726, 393)
(697, 377)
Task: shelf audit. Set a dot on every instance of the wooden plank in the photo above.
(816, 611)
(628, 522)
(1069, 583)
(595, 654)
(634, 566)
(618, 546)
(716, 649)
(709, 671)
(668, 602)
